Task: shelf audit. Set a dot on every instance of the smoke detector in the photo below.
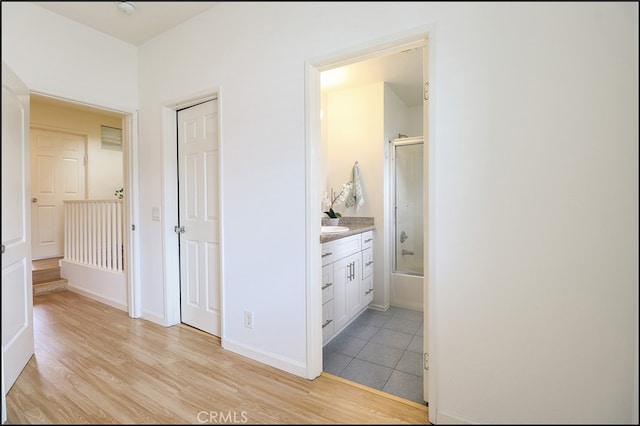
(126, 7)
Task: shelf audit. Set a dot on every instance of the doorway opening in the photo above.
(177, 249)
(81, 186)
(318, 177)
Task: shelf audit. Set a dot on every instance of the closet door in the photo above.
(199, 212)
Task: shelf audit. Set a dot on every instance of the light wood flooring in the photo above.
(95, 365)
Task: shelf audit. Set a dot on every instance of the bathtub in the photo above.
(407, 291)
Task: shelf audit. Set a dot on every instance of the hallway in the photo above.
(382, 350)
(93, 364)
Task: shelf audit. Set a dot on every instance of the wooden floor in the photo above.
(95, 365)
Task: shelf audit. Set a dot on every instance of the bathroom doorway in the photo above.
(380, 166)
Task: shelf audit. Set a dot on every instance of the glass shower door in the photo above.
(407, 172)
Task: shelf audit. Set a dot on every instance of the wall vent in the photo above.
(111, 138)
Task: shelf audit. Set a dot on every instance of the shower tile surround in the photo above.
(382, 350)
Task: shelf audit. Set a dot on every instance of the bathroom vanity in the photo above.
(347, 275)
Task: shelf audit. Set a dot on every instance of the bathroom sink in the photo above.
(333, 229)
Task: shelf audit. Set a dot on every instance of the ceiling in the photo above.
(402, 71)
(149, 19)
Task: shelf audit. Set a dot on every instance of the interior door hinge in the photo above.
(426, 361)
(179, 229)
(426, 91)
(133, 227)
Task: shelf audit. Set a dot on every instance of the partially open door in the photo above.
(17, 292)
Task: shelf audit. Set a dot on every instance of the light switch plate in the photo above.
(155, 213)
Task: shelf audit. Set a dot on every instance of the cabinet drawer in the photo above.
(327, 283)
(346, 246)
(327, 253)
(367, 262)
(367, 239)
(327, 321)
(367, 290)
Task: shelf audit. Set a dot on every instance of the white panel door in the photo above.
(198, 199)
(57, 174)
(17, 296)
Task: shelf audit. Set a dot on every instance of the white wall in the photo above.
(535, 148)
(56, 56)
(104, 170)
(355, 132)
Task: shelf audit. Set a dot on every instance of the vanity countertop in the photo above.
(356, 225)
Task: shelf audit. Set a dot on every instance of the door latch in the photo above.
(179, 229)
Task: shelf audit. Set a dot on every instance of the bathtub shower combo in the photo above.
(407, 222)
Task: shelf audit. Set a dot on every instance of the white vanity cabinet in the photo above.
(347, 281)
(327, 302)
(347, 299)
(366, 284)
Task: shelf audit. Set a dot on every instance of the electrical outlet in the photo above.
(248, 319)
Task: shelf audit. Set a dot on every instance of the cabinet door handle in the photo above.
(370, 239)
(368, 291)
(326, 323)
(369, 263)
(327, 286)
(327, 254)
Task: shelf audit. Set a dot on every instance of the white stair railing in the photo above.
(93, 233)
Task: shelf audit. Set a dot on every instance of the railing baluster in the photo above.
(108, 237)
(94, 233)
(119, 227)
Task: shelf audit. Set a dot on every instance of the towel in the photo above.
(355, 197)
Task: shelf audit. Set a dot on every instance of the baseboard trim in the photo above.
(96, 297)
(273, 360)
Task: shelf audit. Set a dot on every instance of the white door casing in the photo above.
(17, 292)
(57, 174)
(198, 200)
(427, 242)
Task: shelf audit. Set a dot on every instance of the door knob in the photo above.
(34, 200)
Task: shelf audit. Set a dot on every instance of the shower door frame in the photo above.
(395, 143)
